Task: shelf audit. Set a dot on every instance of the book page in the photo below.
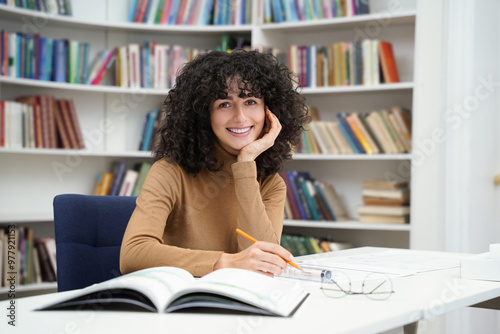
(158, 284)
(278, 297)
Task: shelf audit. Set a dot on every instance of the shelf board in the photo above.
(347, 225)
(81, 87)
(27, 218)
(7, 12)
(150, 91)
(59, 151)
(31, 287)
(358, 88)
(340, 22)
(369, 157)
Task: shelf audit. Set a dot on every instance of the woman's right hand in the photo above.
(262, 257)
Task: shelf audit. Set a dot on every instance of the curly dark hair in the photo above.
(185, 135)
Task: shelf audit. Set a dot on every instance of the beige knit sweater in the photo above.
(187, 221)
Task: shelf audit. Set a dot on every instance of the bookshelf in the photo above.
(111, 116)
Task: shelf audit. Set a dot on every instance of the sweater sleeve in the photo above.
(142, 245)
(261, 206)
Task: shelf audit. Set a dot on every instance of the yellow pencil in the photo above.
(252, 239)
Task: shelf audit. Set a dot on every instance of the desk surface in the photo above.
(416, 297)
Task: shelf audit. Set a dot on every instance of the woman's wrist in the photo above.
(223, 261)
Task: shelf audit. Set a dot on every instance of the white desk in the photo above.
(416, 297)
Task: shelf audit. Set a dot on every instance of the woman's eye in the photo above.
(251, 102)
(224, 105)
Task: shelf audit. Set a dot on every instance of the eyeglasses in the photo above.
(375, 286)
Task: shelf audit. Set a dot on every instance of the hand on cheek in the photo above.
(269, 134)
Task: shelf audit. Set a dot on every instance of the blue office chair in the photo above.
(88, 233)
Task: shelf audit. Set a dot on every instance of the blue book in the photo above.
(341, 117)
(48, 60)
(132, 11)
(174, 9)
(42, 60)
(119, 174)
(309, 198)
(291, 176)
(348, 138)
(18, 52)
(148, 133)
(325, 200)
(59, 60)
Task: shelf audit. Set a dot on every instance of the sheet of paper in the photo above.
(392, 262)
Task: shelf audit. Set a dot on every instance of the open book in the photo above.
(169, 289)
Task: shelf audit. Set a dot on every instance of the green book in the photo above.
(143, 171)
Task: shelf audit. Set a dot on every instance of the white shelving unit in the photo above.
(111, 117)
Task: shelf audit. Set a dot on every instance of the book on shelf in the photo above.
(310, 199)
(40, 122)
(150, 124)
(385, 201)
(389, 219)
(388, 62)
(170, 289)
(60, 7)
(121, 180)
(191, 12)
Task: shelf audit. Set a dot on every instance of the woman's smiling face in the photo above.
(237, 120)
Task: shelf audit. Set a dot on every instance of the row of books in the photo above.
(151, 65)
(42, 58)
(385, 201)
(191, 12)
(367, 62)
(121, 180)
(40, 122)
(32, 261)
(375, 132)
(311, 199)
(54, 7)
(304, 245)
(302, 10)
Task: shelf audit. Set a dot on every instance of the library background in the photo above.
(385, 162)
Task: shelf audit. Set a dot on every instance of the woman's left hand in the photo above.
(270, 133)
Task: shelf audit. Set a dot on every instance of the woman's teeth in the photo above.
(239, 130)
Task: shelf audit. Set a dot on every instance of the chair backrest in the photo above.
(88, 233)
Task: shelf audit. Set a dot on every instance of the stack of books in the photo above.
(122, 181)
(385, 202)
(376, 132)
(310, 199)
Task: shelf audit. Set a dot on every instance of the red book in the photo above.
(2, 123)
(388, 62)
(66, 126)
(76, 124)
(105, 66)
(166, 12)
(62, 131)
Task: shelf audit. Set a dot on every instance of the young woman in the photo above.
(227, 127)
